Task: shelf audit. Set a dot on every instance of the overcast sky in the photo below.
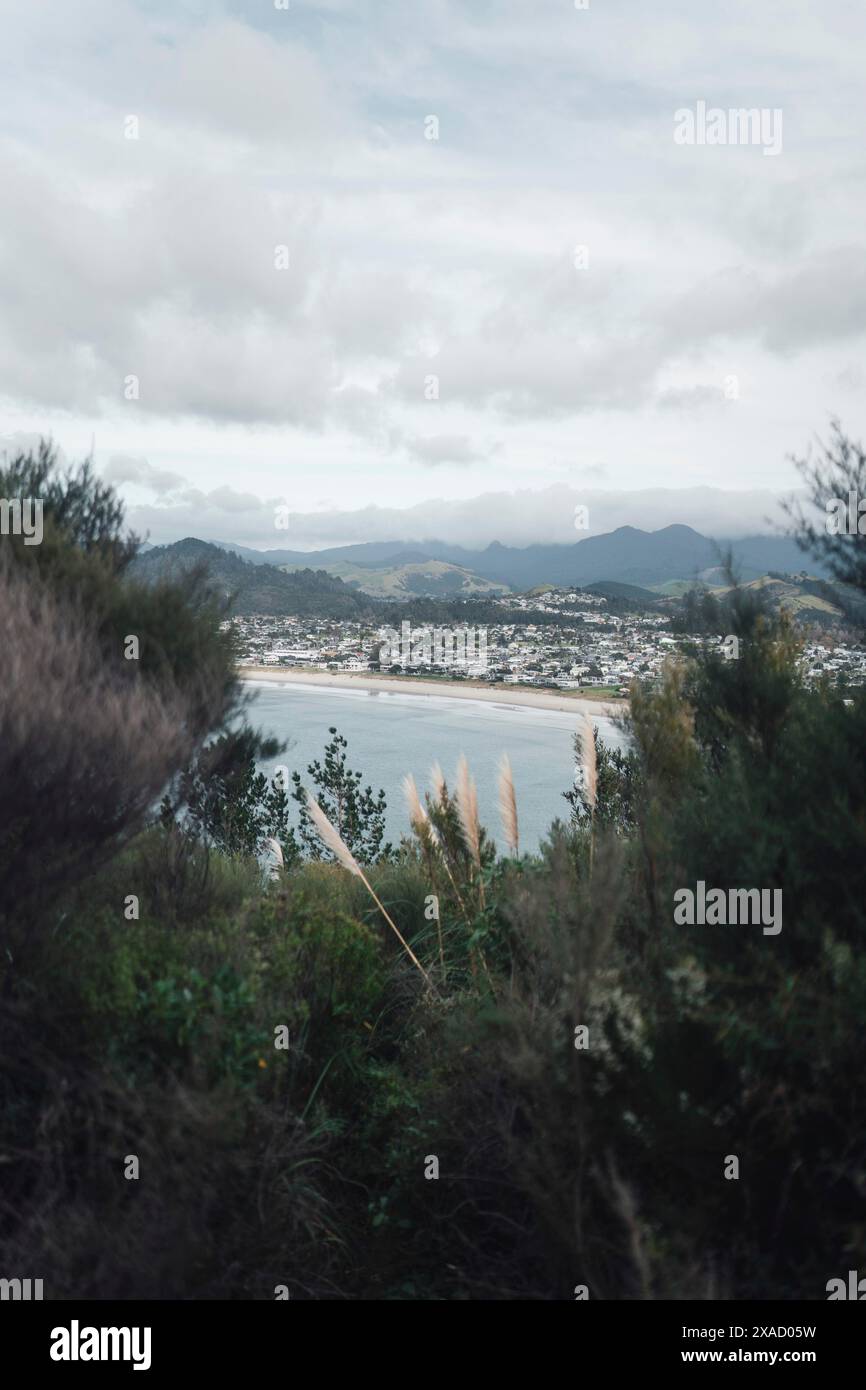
(712, 323)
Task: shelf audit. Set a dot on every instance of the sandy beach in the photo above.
(564, 701)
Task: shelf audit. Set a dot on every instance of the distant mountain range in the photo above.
(626, 555)
(265, 588)
(631, 568)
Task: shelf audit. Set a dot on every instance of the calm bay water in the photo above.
(392, 734)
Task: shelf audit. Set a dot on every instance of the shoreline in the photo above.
(563, 702)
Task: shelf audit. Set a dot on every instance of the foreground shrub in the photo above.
(77, 776)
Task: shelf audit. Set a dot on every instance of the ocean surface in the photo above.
(389, 735)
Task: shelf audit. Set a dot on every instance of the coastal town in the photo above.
(584, 646)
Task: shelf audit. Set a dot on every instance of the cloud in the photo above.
(523, 517)
(527, 516)
(681, 398)
(157, 257)
(820, 300)
(251, 85)
(180, 509)
(444, 449)
(123, 469)
(225, 499)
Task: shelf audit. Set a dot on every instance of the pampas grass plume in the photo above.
(274, 849)
(437, 778)
(587, 753)
(467, 808)
(329, 837)
(508, 805)
(417, 814)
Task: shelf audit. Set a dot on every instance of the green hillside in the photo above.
(256, 588)
(415, 578)
(805, 599)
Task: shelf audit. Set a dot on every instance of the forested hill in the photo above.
(258, 588)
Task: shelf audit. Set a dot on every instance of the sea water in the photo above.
(392, 734)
